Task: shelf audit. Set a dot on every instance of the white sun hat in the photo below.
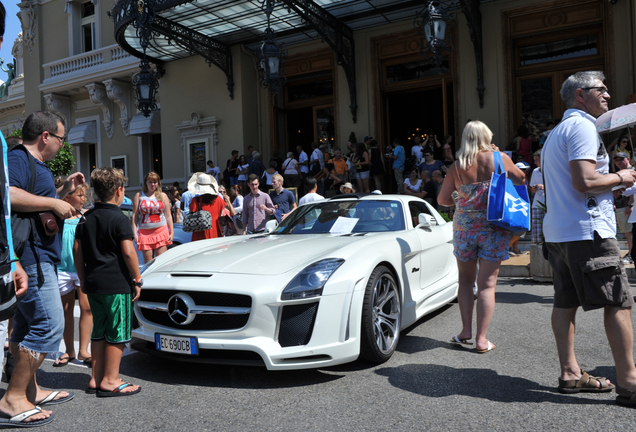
(201, 183)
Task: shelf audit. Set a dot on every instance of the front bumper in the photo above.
(301, 334)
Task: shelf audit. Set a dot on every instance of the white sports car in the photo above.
(337, 280)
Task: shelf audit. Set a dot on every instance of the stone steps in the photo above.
(519, 266)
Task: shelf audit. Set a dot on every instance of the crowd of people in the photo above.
(95, 253)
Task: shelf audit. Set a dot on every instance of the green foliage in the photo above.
(63, 162)
(446, 217)
(352, 137)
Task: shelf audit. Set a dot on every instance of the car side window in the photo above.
(415, 209)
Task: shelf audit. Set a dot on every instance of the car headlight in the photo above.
(310, 282)
(146, 266)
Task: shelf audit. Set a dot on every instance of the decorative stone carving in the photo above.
(27, 18)
(97, 94)
(60, 105)
(119, 92)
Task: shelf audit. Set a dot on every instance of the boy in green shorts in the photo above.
(107, 266)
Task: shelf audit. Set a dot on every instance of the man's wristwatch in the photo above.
(138, 282)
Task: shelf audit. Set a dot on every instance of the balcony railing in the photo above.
(97, 59)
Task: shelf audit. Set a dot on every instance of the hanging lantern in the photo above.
(433, 21)
(270, 57)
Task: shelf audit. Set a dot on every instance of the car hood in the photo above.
(266, 255)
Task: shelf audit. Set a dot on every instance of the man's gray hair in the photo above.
(256, 155)
(577, 81)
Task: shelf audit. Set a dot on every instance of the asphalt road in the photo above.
(427, 385)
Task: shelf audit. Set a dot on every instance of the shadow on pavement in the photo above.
(440, 381)
(522, 298)
(154, 369)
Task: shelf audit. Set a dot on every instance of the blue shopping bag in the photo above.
(508, 205)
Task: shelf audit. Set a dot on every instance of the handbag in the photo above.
(508, 205)
(199, 220)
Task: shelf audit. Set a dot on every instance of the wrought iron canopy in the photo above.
(209, 28)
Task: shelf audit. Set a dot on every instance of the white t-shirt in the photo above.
(310, 197)
(303, 158)
(318, 155)
(215, 172)
(572, 215)
(537, 179)
(243, 177)
(416, 187)
(290, 166)
(418, 152)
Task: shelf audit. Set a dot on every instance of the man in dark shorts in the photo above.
(580, 233)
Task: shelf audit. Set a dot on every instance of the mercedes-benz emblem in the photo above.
(179, 307)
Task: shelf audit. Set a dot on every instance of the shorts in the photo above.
(362, 175)
(233, 181)
(67, 281)
(112, 317)
(621, 221)
(488, 245)
(589, 273)
(38, 323)
(151, 239)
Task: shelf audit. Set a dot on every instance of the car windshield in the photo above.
(344, 217)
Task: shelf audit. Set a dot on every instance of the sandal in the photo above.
(60, 362)
(491, 346)
(460, 342)
(586, 383)
(625, 397)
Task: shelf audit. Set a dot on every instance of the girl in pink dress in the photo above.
(152, 218)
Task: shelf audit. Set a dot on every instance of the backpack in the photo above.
(23, 224)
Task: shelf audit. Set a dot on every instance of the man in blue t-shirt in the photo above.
(398, 157)
(39, 321)
(283, 199)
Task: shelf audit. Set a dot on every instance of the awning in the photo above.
(141, 125)
(83, 133)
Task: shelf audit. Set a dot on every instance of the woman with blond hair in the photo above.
(152, 218)
(474, 237)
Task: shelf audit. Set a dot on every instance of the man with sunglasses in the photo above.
(39, 321)
(580, 235)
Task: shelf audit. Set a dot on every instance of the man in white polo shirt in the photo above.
(580, 235)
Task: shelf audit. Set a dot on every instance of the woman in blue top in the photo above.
(67, 280)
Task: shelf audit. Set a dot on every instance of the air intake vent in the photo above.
(297, 324)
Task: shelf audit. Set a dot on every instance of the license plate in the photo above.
(175, 344)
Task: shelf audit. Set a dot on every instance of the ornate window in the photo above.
(84, 26)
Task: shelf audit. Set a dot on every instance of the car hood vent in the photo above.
(191, 275)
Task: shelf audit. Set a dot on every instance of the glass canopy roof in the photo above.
(244, 21)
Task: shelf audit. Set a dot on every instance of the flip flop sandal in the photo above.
(460, 342)
(491, 346)
(58, 363)
(50, 399)
(88, 362)
(586, 383)
(18, 420)
(625, 397)
(117, 392)
(90, 390)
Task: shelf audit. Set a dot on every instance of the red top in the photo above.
(215, 208)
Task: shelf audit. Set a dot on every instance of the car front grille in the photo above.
(297, 324)
(201, 298)
(202, 321)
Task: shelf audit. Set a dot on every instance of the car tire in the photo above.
(381, 317)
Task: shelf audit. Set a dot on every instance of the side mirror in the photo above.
(270, 226)
(424, 220)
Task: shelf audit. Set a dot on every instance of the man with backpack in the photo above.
(38, 322)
